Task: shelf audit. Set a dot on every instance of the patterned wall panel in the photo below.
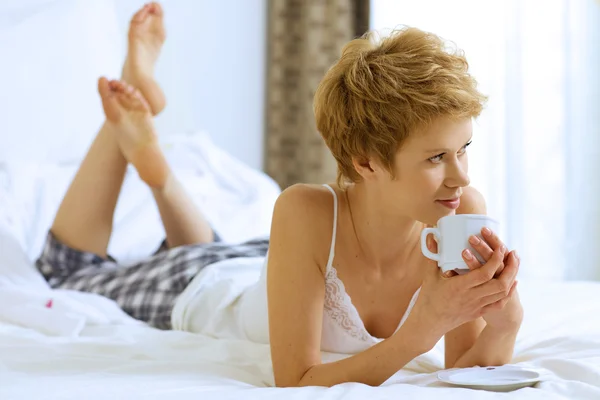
(305, 38)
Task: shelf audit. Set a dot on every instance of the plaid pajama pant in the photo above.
(147, 289)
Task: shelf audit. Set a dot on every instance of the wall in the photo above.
(212, 70)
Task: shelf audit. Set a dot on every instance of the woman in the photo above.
(345, 270)
(382, 110)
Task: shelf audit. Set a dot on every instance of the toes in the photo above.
(155, 8)
(109, 100)
(119, 97)
(139, 102)
(126, 96)
(117, 86)
(128, 88)
(104, 87)
(132, 99)
(142, 13)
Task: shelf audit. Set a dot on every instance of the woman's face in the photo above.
(431, 169)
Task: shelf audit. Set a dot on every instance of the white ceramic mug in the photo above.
(452, 236)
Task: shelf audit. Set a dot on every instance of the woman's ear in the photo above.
(366, 168)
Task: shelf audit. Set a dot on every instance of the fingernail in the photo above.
(486, 231)
(474, 240)
(516, 255)
(467, 254)
(503, 249)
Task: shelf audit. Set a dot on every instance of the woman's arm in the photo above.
(301, 231)
(459, 340)
(476, 342)
(496, 343)
(182, 220)
(493, 347)
(376, 364)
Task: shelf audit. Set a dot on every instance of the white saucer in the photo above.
(500, 379)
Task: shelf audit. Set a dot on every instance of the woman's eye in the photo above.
(464, 148)
(436, 159)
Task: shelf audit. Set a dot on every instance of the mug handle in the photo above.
(426, 252)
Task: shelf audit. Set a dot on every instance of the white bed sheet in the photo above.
(125, 359)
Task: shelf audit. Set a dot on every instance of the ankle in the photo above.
(152, 166)
(164, 186)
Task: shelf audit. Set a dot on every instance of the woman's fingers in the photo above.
(504, 282)
(449, 274)
(432, 244)
(492, 239)
(499, 305)
(507, 258)
(496, 297)
(486, 247)
(513, 288)
(481, 247)
(472, 262)
(486, 272)
(491, 299)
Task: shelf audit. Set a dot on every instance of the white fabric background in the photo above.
(52, 55)
(53, 52)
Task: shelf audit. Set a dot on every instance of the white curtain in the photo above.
(536, 148)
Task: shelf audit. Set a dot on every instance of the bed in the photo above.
(113, 356)
(85, 347)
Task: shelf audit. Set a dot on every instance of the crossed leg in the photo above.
(84, 219)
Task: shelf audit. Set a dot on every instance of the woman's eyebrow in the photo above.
(445, 150)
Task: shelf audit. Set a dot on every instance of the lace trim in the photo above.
(338, 308)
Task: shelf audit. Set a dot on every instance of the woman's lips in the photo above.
(451, 204)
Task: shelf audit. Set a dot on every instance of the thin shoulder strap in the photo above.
(335, 212)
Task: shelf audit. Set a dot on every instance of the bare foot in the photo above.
(129, 114)
(146, 37)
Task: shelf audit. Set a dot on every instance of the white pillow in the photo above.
(52, 55)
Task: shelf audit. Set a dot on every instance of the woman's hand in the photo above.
(446, 302)
(506, 313)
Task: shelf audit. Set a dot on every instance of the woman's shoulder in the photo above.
(303, 220)
(308, 201)
(471, 202)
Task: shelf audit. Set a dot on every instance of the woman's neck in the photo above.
(385, 239)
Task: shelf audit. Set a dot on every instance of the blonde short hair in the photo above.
(377, 94)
